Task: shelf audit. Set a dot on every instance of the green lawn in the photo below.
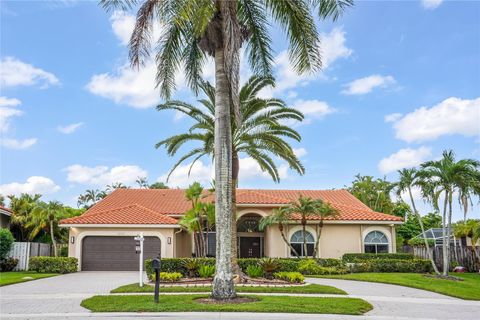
(184, 303)
(468, 289)
(7, 278)
(313, 288)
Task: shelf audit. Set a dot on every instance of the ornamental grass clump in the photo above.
(254, 271)
(206, 271)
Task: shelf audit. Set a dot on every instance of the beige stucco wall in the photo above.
(183, 244)
(75, 248)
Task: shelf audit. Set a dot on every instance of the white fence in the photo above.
(24, 250)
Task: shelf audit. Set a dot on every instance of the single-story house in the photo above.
(102, 238)
(5, 214)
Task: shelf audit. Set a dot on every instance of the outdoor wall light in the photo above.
(169, 240)
(72, 239)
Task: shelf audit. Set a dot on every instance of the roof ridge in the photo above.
(268, 196)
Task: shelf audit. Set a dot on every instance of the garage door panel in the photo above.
(115, 253)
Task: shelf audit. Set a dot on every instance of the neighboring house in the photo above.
(5, 214)
(102, 238)
(436, 234)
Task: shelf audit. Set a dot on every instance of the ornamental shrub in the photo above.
(359, 257)
(206, 271)
(254, 271)
(191, 265)
(392, 265)
(6, 242)
(170, 276)
(53, 264)
(292, 277)
(419, 242)
(312, 267)
(8, 264)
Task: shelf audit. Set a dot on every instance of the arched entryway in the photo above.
(250, 238)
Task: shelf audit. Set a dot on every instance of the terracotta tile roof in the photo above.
(132, 214)
(6, 211)
(148, 206)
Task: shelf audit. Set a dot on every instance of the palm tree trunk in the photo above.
(319, 233)
(54, 242)
(304, 227)
(223, 287)
(417, 214)
(280, 227)
(444, 235)
(449, 229)
(235, 169)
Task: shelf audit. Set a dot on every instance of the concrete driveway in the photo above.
(59, 298)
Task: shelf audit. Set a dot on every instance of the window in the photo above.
(376, 242)
(297, 243)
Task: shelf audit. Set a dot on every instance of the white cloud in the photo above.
(5, 115)
(34, 184)
(103, 175)
(14, 72)
(313, 109)
(393, 117)
(71, 128)
(122, 25)
(431, 4)
(299, 152)
(404, 158)
(332, 47)
(9, 102)
(451, 116)
(367, 84)
(10, 143)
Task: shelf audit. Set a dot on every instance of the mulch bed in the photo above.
(246, 281)
(236, 300)
(436, 276)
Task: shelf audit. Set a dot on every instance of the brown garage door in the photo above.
(115, 253)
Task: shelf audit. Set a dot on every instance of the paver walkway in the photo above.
(60, 297)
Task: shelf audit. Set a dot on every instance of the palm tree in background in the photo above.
(142, 182)
(408, 178)
(195, 29)
(90, 197)
(305, 208)
(22, 207)
(443, 178)
(279, 217)
(260, 135)
(45, 216)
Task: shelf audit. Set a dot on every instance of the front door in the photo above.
(250, 247)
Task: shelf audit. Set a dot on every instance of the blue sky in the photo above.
(399, 85)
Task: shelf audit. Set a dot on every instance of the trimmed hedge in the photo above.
(285, 264)
(53, 264)
(392, 265)
(6, 242)
(360, 257)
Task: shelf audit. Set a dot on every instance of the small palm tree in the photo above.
(408, 178)
(46, 216)
(142, 182)
(279, 217)
(444, 177)
(306, 208)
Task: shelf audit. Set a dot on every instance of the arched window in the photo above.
(297, 243)
(376, 242)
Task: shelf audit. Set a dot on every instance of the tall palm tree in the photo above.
(324, 211)
(46, 216)
(195, 29)
(279, 217)
(260, 135)
(90, 197)
(408, 178)
(445, 177)
(305, 208)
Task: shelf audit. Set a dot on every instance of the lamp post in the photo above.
(139, 250)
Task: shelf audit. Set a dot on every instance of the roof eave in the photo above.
(113, 225)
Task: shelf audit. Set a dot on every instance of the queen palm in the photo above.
(305, 208)
(44, 217)
(22, 207)
(279, 217)
(445, 177)
(408, 178)
(195, 29)
(260, 135)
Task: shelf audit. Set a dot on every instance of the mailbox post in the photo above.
(139, 250)
(156, 264)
